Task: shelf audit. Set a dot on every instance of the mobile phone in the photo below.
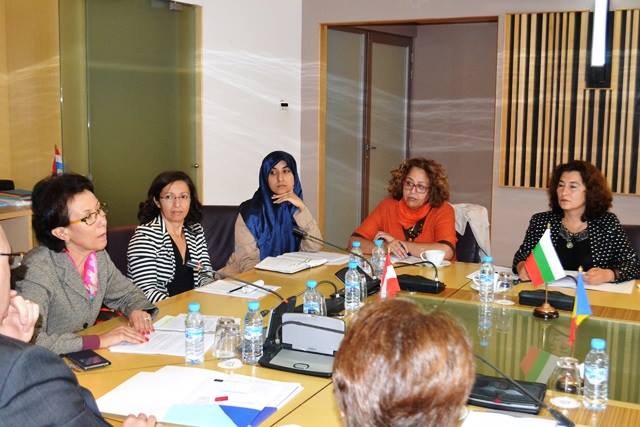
(87, 359)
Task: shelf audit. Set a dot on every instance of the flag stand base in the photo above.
(546, 311)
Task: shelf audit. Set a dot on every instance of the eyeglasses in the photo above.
(410, 186)
(92, 217)
(15, 259)
(170, 198)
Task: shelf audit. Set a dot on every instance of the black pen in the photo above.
(236, 289)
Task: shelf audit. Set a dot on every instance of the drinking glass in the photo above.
(227, 338)
(503, 288)
(566, 378)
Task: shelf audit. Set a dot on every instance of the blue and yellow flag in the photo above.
(581, 308)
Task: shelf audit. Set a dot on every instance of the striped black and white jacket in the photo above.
(151, 264)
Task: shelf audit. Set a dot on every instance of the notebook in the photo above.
(289, 264)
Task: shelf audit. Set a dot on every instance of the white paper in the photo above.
(236, 289)
(170, 343)
(155, 392)
(176, 323)
(619, 288)
(331, 258)
(494, 419)
(289, 263)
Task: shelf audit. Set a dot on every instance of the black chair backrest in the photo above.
(6, 184)
(467, 249)
(117, 245)
(633, 233)
(219, 226)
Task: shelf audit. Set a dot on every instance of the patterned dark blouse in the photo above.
(610, 247)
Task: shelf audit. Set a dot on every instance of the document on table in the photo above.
(199, 397)
(289, 263)
(170, 343)
(331, 258)
(236, 289)
(619, 288)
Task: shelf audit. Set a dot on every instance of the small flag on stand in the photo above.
(389, 285)
(543, 265)
(581, 308)
(57, 168)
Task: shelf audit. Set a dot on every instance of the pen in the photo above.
(236, 289)
(221, 398)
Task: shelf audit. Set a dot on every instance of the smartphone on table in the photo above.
(87, 359)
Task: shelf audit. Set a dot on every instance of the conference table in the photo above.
(506, 340)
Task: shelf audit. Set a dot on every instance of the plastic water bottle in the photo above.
(252, 338)
(313, 301)
(356, 250)
(378, 257)
(352, 288)
(194, 336)
(596, 376)
(486, 280)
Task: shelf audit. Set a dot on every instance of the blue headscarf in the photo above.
(272, 224)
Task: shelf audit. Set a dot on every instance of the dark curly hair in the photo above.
(49, 205)
(438, 182)
(148, 209)
(598, 195)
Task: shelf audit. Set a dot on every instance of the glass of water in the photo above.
(504, 287)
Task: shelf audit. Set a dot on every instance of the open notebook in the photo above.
(289, 263)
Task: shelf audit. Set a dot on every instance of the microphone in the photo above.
(304, 235)
(557, 415)
(211, 272)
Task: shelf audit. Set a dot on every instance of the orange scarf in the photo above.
(408, 217)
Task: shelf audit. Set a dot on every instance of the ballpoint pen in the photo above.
(236, 289)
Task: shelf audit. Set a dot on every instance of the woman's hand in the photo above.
(290, 197)
(121, 334)
(384, 236)
(598, 276)
(141, 321)
(522, 272)
(21, 319)
(140, 421)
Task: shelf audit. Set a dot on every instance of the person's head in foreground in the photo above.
(400, 366)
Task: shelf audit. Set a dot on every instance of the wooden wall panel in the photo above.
(549, 116)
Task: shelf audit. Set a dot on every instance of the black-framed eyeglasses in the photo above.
(15, 259)
(92, 217)
(410, 185)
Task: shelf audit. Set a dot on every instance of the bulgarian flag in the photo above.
(543, 265)
(389, 285)
(581, 308)
(57, 167)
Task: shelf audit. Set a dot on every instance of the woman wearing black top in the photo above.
(583, 232)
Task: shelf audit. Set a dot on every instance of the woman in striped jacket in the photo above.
(168, 253)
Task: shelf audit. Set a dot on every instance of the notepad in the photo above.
(289, 264)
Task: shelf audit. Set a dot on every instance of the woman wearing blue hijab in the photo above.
(265, 224)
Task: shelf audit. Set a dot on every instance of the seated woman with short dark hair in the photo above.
(583, 231)
(70, 275)
(399, 366)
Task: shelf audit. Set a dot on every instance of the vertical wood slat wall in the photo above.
(549, 116)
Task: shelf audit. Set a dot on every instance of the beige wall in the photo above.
(452, 104)
(5, 163)
(33, 108)
(511, 208)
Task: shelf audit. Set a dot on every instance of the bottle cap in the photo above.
(312, 284)
(598, 344)
(378, 243)
(355, 244)
(487, 258)
(353, 264)
(194, 307)
(254, 305)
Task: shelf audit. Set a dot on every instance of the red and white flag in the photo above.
(389, 285)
